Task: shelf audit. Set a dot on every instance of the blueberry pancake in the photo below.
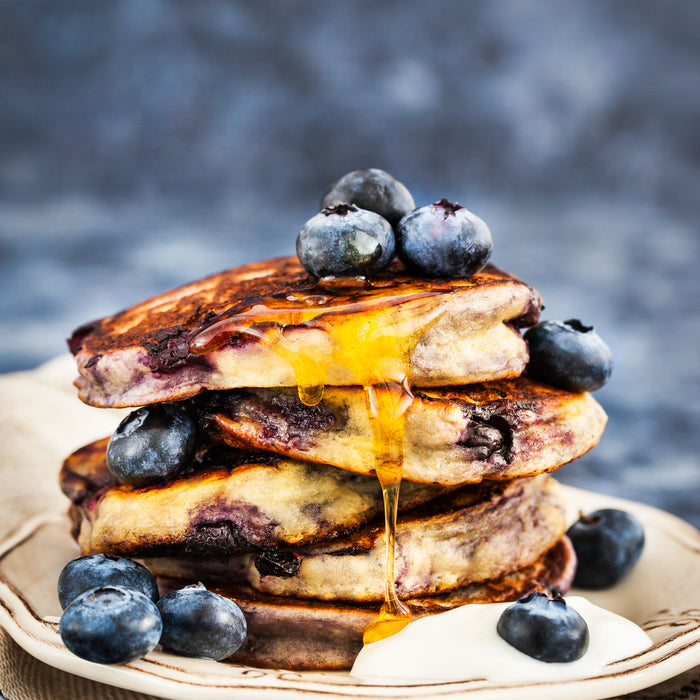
(297, 634)
(499, 430)
(476, 533)
(452, 331)
(227, 501)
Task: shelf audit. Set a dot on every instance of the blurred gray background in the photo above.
(144, 143)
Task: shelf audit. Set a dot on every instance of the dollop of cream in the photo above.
(463, 644)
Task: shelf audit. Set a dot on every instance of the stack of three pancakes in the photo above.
(281, 509)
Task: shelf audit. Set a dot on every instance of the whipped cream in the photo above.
(463, 644)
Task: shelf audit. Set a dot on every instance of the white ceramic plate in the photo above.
(662, 595)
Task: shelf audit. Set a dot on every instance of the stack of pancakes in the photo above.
(280, 509)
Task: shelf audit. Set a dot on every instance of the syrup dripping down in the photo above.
(377, 355)
(386, 406)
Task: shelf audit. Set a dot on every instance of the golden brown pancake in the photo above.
(229, 501)
(299, 634)
(460, 331)
(499, 430)
(474, 534)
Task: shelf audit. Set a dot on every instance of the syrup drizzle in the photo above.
(378, 355)
(386, 406)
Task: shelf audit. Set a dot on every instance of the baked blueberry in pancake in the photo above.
(238, 328)
(497, 430)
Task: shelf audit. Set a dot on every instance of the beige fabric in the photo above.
(42, 421)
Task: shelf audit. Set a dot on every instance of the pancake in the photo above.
(500, 430)
(474, 534)
(458, 331)
(298, 634)
(229, 501)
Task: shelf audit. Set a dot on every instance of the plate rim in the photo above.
(208, 679)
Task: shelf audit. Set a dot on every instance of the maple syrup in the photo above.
(386, 406)
(378, 356)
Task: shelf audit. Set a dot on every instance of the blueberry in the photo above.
(443, 240)
(97, 570)
(198, 622)
(276, 562)
(345, 241)
(373, 190)
(568, 355)
(152, 444)
(545, 628)
(608, 543)
(111, 625)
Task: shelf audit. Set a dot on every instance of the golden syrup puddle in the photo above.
(378, 354)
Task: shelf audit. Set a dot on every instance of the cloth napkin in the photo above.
(41, 422)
